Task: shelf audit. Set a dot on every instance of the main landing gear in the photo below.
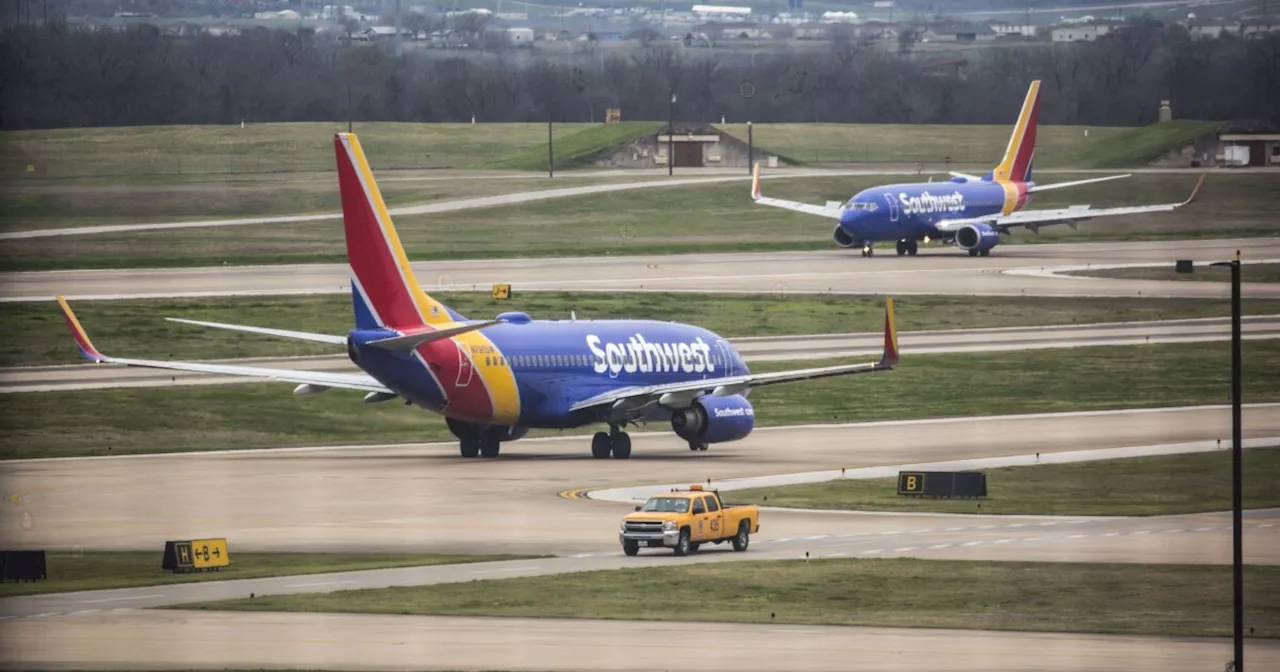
(614, 442)
(695, 446)
(975, 253)
(479, 443)
(907, 247)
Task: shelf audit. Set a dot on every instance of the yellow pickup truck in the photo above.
(683, 520)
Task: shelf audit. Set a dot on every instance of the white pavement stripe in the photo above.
(318, 583)
(506, 569)
(122, 599)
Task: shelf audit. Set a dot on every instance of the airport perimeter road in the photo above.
(221, 640)
(753, 349)
(934, 271)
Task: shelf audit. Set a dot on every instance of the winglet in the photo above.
(890, 357)
(77, 332)
(1195, 193)
(755, 182)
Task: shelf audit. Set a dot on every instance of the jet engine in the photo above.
(712, 419)
(978, 236)
(842, 238)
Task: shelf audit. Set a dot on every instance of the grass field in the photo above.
(1248, 273)
(841, 144)
(104, 570)
(216, 417)
(34, 334)
(131, 154)
(704, 218)
(1140, 486)
(1131, 147)
(577, 150)
(1052, 597)
(62, 205)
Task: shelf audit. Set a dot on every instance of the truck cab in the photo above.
(683, 520)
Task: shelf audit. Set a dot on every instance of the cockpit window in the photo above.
(666, 505)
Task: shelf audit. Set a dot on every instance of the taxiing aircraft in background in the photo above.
(495, 379)
(971, 212)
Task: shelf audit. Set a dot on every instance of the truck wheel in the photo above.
(682, 546)
(630, 547)
(693, 548)
(741, 541)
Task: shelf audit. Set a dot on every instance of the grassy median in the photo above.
(215, 417)
(1248, 273)
(104, 570)
(1180, 600)
(33, 334)
(1140, 486)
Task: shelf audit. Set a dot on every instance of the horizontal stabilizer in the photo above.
(419, 335)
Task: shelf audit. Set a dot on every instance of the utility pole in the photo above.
(671, 133)
(551, 171)
(751, 151)
(399, 45)
(1237, 471)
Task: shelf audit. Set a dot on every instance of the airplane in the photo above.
(970, 211)
(495, 379)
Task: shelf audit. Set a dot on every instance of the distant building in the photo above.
(964, 32)
(1002, 28)
(1084, 32)
(520, 36)
(721, 11)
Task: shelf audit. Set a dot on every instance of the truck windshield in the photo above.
(666, 504)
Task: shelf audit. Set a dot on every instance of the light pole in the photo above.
(671, 132)
(1237, 529)
(751, 147)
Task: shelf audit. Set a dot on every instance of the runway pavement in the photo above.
(934, 271)
(137, 639)
(754, 349)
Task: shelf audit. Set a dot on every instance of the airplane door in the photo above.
(465, 370)
(893, 207)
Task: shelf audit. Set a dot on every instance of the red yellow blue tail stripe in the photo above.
(77, 332)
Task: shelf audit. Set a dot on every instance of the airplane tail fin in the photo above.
(1016, 165)
(383, 287)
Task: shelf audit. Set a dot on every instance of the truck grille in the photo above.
(644, 526)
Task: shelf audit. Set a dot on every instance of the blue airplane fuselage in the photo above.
(553, 364)
(913, 211)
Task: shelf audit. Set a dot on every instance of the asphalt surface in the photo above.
(754, 349)
(424, 498)
(193, 640)
(935, 271)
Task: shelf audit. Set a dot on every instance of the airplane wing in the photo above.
(1046, 187)
(680, 394)
(1034, 219)
(828, 210)
(352, 381)
(284, 333)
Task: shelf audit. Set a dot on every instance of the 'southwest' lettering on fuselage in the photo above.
(637, 354)
(929, 203)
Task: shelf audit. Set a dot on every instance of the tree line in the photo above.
(58, 75)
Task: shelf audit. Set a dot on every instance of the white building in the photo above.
(520, 36)
(721, 12)
(839, 17)
(1087, 32)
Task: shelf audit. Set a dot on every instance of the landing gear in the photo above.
(977, 253)
(908, 247)
(489, 446)
(614, 442)
(695, 446)
(867, 250)
(469, 446)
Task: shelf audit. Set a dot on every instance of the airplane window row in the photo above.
(869, 206)
(566, 360)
